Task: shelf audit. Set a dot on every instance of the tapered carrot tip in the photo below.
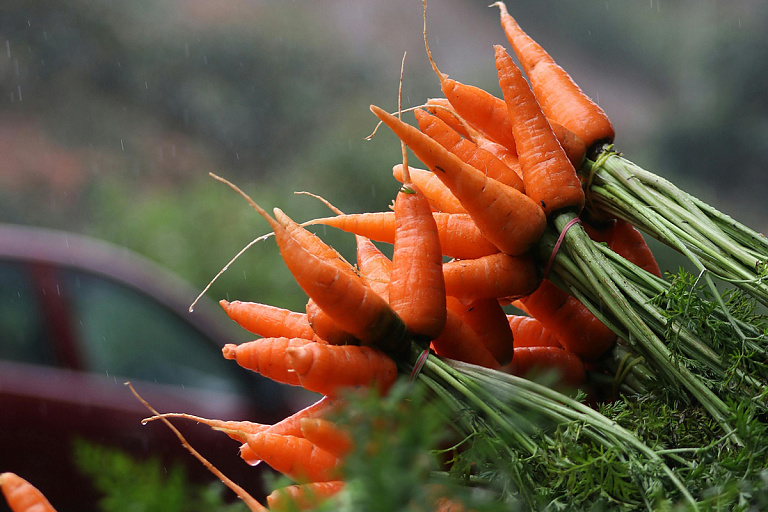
(224, 303)
(301, 360)
(229, 351)
(22, 496)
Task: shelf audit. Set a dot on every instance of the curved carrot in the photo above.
(495, 276)
(268, 321)
(295, 457)
(530, 332)
(267, 356)
(560, 98)
(328, 369)
(577, 329)
(22, 496)
(303, 496)
(511, 220)
(326, 328)
(439, 196)
(487, 318)
(541, 360)
(327, 435)
(460, 342)
(468, 151)
(549, 176)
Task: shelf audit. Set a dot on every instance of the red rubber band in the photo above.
(419, 364)
(560, 239)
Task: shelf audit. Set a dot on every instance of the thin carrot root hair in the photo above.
(252, 504)
(322, 200)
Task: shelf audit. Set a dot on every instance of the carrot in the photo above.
(268, 321)
(303, 496)
(295, 457)
(328, 369)
(625, 240)
(459, 341)
(22, 496)
(327, 435)
(326, 328)
(439, 196)
(530, 332)
(541, 360)
(487, 318)
(468, 151)
(495, 276)
(574, 147)
(442, 108)
(549, 177)
(508, 218)
(577, 329)
(237, 430)
(416, 285)
(560, 98)
(332, 283)
(267, 356)
(374, 265)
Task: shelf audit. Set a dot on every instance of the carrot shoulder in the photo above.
(549, 176)
(560, 98)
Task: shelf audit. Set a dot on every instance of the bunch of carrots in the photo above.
(496, 245)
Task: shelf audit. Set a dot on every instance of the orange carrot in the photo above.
(268, 321)
(326, 328)
(549, 177)
(439, 196)
(495, 276)
(327, 435)
(560, 98)
(329, 369)
(530, 332)
(295, 457)
(459, 236)
(577, 329)
(267, 356)
(541, 360)
(22, 496)
(374, 265)
(468, 151)
(459, 341)
(574, 147)
(508, 218)
(487, 318)
(332, 283)
(442, 108)
(303, 496)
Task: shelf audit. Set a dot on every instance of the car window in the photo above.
(129, 334)
(23, 331)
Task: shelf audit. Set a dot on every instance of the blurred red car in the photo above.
(79, 318)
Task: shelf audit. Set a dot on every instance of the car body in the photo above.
(79, 318)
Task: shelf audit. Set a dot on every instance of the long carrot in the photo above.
(439, 196)
(560, 98)
(468, 151)
(508, 218)
(327, 435)
(488, 319)
(267, 356)
(459, 341)
(549, 176)
(295, 457)
(374, 265)
(495, 276)
(329, 369)
(326, 328)
(303, 496)
(442, 108)
(530, 332)
(333, 285)
(528, 361)
(22, 496)
(268, 321)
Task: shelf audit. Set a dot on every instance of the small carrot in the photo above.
(549, 176)
(560, 98)
(374, 265)
(22, 496)
(439, 196)
(495, 276)
(327, 435)
(268, 321)
(460, 342)
(325, 328)
(530, 332)
(329, 369)
(303, 496)
(295, 457)
(577, 329)
(267, 356)
(511, 220)
(468, 151)
(529, 361)
(487, 318)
